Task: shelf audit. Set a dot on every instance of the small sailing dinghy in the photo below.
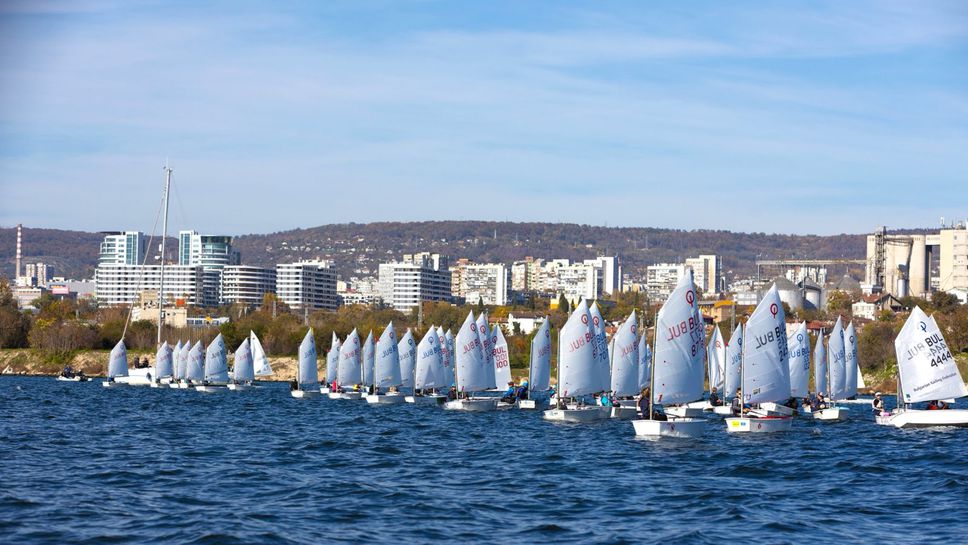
(678, 367)
(428, 372)
(731, 378)
(820, 382)
(349, 376)
(177, 367)
(472, 371)
(307, 372)
(407, 349)
(163, 366)
(386, 370)
(332, 365)
(539, 369)
(625, 367)
(259, 359)
(447, 356)
(117, 365)
(216, 367)
(186, 353)
(501, 359)
(579, 372)
(243, 370)
(837, 381)
(798, 345)
(765, 371)
(926, 372)
(485, 335)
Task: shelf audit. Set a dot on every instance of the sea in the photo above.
(84, 464)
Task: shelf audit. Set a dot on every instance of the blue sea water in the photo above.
(83, 464)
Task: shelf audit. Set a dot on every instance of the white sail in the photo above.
(449, 348)
(927, 367)
(850, 361)
(539, 375)
(601, 344)
(259, 359)
(369, 359)
(163, 361)
(182, 367)
(716, 360)
(798, 345)
(216, 361)
(578, 360)
(195, 370)
(679, 366)
(176, 360)
(836, 362)
(486, 337)
(430, 364)
(408, 358)
(118, 361)
(820, 367)
(349, 361)
(645, 361)
(243, 369)
(625, 358)
(766, 371)
(734, 362)
(473, 373)
(308, 372)
(332, 360)
(501, 357)
(386, 370)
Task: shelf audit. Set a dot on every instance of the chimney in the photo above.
(16, 274)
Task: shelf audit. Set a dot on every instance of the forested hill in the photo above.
(357, 249)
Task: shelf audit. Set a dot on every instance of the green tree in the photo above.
(14, 325)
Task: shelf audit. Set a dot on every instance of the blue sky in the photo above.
(792, 117)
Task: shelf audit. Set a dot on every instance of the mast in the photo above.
(558, 372)
(164, 235)
(742, 372)
(531, 366)
(655, 344)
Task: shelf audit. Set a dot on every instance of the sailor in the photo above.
(452, 394)
(877, 404)
(508, 396)
(67, 372)
(643, 404)
(604, 400)
(737, 405)
(522, 392)
(819, 403)
(714, 398)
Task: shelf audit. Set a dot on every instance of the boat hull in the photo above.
(775, 409)
(831, 414)
(912, 418)
(723, 410)
(473, 405)
(676, 427)
(769, 424)
(578, 415)
(210, 388)
(532, 404)
(239, 387)
(73, 379)
(324, 389)
(426, 399)
(384, 399)
(302, 394)
(110, 384)
(684, 411)
(623, 413)
(351, 396)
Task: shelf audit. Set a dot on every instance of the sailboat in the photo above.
(259, 359)
(579, 372)
(407, 349)
(715, 370)
(164, 368)
(368, 361)
(603, 363)
(765, 367)
(500, 357)
(820, 382)
(472, 371)
(349, 376)
(678, 369)
(539, 369)
(855, 379)
(195, 369)
(798, 348)
(645, 361)
(428, 371)
(216, 367)
(732, 372)
(386, 370)
(332, 365)
(117, 365)
(837, 381)
(307, 370)
(926, 371)
(243, 371)
(485, 335)
(625, 367)
(447, 355)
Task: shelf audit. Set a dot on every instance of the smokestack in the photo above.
(16, 274)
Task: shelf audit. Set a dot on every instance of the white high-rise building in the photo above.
(246, 285)
(661, 279)
(206, 250)
(610, 273)
(307, 285)
(707, 272)
(419, 277)
(122, 248)
(120, 284)
(578, 280)
(481, 282)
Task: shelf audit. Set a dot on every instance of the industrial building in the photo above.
(917, 264)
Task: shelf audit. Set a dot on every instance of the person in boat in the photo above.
(937, 405)
(508, 396)
(806, 403)
(293, 385)
(452, 394)
(714, 398)
(738, 408)
(604, 400)
(67, 372)
(819, 403)
(792, 403)
(877, 404)
(522, 391)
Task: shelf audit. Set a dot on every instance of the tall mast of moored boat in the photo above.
(164, 235)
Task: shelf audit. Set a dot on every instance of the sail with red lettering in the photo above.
(837, 362)
(449, 355)
(578, 359)
(601, 344)
(332, 360)
(407, 349)
(349, 361)
(799, 346)
(539, 376)
(734, 362)
(486, 336)
(429, 362)
(502, 358)
(625, 358)
(927, 368)
(471, 369)
(679, 358)
(766, 371)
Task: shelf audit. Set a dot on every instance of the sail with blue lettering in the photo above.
(242, 369)
(118, 361)
(799, 346)
(820, 366)
(407, 349)
(163, 361)
(195, 370)
(349, 361)
(734, 362)
(850, 361)
(645, 361)
(471, 369)
(766, 370)
(217, 361)
(578, 358)
(679, 358)
(625, 358)
(332, 360)
(387, 366)
(259, 360)
(369, 358)
(308, 370)
(837, 362)
(927, 368)
(487, 342)
(539, 375)
(447, 355)
(501, 357)
(601, 344)
(182, 362)
(716, 360)
(429, 371)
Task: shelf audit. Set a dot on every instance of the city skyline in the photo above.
(811, 118)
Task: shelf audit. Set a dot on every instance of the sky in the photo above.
(787, 117)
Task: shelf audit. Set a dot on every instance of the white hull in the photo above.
(858, 401)
(351, 396)
(723, 410)
(580, 415)
(623, 413)
(832, 414)
(210, 388)
(183, 385)
(736, 424)
(300, 394)
(384, 399)
(912, 418)
(532, 404)
(701, 405)
(324, 389)
(73, 379)
(474, 404)
(684, 411)
(109, 384)
(426, 399)
(775, 409)
(239, 387)
(677, 427)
